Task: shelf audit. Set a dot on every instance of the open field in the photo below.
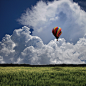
(42, 76)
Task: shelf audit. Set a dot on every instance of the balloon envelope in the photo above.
(57, 31)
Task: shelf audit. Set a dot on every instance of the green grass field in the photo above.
(42, 76)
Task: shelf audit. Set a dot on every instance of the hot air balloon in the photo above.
(57, 31)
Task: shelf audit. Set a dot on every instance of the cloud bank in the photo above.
(41, 47)
(63, 13)
(21, 48)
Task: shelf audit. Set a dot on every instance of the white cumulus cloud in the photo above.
(21, 47)
(63, 13)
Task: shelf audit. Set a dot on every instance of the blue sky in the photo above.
(18, 17)
(10, 11)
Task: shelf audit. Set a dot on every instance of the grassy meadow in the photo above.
(42, 76)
